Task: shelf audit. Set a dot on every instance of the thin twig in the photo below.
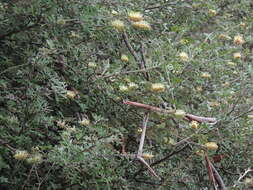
(249, 110)
(28, 177)
(148, 167)
(140, 150)
(161, 160)
(129, 72)
(218, 178)
(143, 133)
(143, 62)
(130, 48)
(244, 174)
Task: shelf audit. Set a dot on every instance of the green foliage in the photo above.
(62, 84)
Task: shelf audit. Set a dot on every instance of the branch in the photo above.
(141, 62)
(129, 72)
(148, 107)
(243, 175)
(129, 46)
(188, 117)
(140, 150)
(218, 178)
(161, 160)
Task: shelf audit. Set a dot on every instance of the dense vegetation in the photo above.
(67, 66)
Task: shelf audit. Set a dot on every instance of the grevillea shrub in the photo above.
(66, 67)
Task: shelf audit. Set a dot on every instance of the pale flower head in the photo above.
(71, 94)
(199, 89)
(237, 55)
(124, 58)
(114, 12)
(194, 125)
(206, 75)
(118, 25)
(230, 63)
(184, 56)
(157, 87)
(132, 85)
(135, 16)
(123, 88)
(211, 146)
(142, 25)
(212, 12)
(73, 34)
(84, 122)
(21, 155)
(92, 65)
(238, 40)
(35, 159)
(147, 156)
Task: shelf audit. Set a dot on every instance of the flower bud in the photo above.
(118, 25)
(238, 40)
(157, 87)
(135, 16)
(147, 156)
(21, 155)
(142, 25)
(211, 146)
(124, 58)
(180, 114)
(184, 56)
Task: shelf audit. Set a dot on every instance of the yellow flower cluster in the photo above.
(21, 155)
(211, 146)
(237, 55)
(206, 75)
(212, 12)
(132, 85)
(71, 94)
(147, 156)
(143, 25)
(157, 87)
(35, 159)
(137, 22)
(230, 63)
(238, 40)
(124, 58)
(194, 125)
(184, 56)
(84, 122)
(118, 25)
(135, 16)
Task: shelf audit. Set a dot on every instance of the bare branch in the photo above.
(130, 48)
(244, 174)
(143, 133)
(218, 178)
(188, 117)
(143, 62)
